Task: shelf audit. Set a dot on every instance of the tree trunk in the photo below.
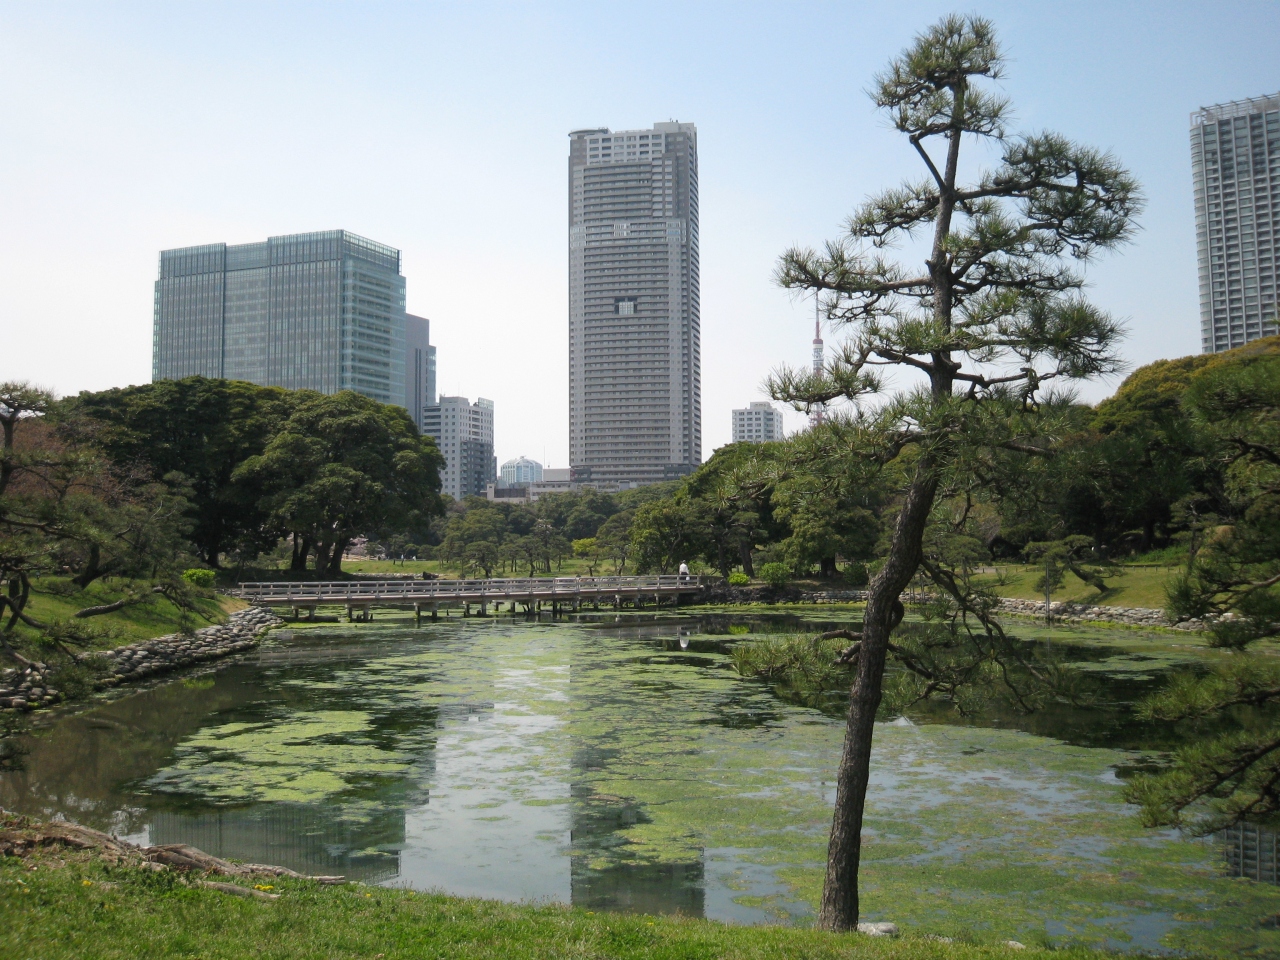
(322, 558)
(335, 559)
(839, 908)
(827, 568)
(93, 568)
(744, 554)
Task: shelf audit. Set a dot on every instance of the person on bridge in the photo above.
(684, 570)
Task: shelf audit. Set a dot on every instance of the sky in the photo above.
(441, 129)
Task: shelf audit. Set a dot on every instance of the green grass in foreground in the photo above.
(56, 905)
(56, 598)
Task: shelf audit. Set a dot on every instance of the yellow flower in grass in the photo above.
(263, 886)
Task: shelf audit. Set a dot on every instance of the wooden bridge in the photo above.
(560, 593)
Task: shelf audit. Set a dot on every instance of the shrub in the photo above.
(775, 574)
(855, 574)
(198, 578)
(738, 579)
(807, 663)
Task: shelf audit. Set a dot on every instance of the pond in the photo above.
(619, 763)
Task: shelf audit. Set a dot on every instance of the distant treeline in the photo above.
(218, 472)
(1140, 472)
(134, 481)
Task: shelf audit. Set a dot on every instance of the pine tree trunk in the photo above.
(839, 908)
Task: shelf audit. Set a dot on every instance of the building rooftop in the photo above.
(1236, 108)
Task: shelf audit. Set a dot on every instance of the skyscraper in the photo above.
(419, 367)
(318, 311)
(464, 433)
(1235, 165)
(635, 390)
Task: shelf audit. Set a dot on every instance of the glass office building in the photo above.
(1235, 164)
(316, 311)
(419, 367)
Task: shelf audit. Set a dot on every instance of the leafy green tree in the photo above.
(614, 540)
(736, 487)
(994, 314)
(481, 557)
(193, 433)
(1230, 769)
(666, 533)
(64, 507)
(829, 510)
(344, 466)
(588, 549)
(1144, 456)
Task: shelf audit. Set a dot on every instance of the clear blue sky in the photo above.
(441, 129)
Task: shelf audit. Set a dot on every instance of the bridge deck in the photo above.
(430, 593)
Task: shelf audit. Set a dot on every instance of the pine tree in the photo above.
(994, 316)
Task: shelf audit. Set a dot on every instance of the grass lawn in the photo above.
(61, 904)
(56, 598)
(1138, 586)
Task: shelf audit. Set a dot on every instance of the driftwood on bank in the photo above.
(183, 857)
(169, 856)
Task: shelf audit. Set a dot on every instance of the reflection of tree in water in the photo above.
(309, 838)
(1251, 851)
(602, 876)
(101, 767)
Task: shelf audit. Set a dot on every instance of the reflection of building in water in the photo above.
(309, 839)
(1251, 852)
(598, 878)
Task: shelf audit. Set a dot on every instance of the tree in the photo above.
(194, 434)
(343, 466)
(666, 533)
(829, 509)
(482, 556)
(1076, 554)
(1231, 771)
(588, 549)
(64, 507)
(995, 314)
(614, 539)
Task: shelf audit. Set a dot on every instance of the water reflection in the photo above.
(1251, 852)
(305, 838)
(617, 763)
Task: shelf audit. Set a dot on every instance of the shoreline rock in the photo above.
(29, 688)
(1064, 611)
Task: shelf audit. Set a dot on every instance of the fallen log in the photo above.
(19, 841)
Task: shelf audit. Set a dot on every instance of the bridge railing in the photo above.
(336, 591)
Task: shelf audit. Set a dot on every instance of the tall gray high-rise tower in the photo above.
(1235, 164)
(635, 368)
(315, 311)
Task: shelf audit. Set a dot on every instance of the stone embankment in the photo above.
(1064, 611)
(32, 687)
(1067, 611)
